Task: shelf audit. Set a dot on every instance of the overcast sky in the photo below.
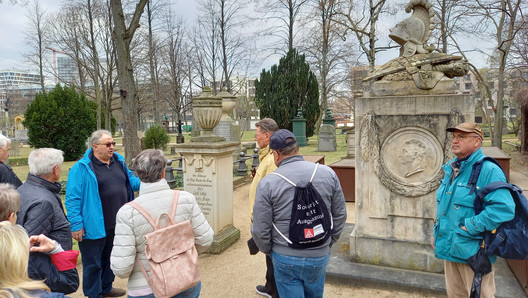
(13, 19)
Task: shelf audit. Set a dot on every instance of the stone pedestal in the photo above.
(401, 145)
(327, 138)
(208, 174)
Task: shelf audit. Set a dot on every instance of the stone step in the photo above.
(341, 270)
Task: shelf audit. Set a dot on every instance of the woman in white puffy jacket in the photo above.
(155, 196)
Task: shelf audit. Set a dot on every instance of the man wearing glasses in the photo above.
(457, 231)
(98, 185)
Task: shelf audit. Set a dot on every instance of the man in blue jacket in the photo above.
(98, 185)
(457, 231)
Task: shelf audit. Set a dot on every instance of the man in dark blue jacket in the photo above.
(41, 213)
(98, 185)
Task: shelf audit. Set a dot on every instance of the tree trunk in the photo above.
(96, 65)
(125, 74)
(523, 131)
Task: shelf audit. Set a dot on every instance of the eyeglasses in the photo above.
(463, 137)
(108, 145)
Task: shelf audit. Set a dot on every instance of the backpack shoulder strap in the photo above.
(145, 213)
(315, 170)
(282, 176)
(486, 190)
(475, 172)
(174, 205)
(285, 238)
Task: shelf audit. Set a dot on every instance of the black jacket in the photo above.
(41, 212)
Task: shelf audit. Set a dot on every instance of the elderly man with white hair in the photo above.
(6, 173)
(42, 213)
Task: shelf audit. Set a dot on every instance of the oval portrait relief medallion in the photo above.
(412, 158)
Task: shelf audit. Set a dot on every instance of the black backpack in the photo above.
(310, 222)
(510, 239)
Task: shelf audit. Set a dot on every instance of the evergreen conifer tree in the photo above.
(287, 87)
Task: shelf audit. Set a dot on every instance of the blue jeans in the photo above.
(95, 255)
(299, 276)
(193, 292)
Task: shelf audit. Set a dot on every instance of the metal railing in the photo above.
(242, 169)
(169, 171)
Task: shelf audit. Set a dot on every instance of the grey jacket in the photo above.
(273, 204)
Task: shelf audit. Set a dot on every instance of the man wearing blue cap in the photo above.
(300, 266)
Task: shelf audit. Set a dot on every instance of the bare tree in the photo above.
(454, 17)
(206, 41)
(95, 57)
(152, 10)
(37, 38)
(361, 19)
(174, 72)
(280, 16)
(329, 55)
(231, 41)
(505, 19)
(123, 37)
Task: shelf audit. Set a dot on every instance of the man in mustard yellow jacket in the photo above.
(265, 128)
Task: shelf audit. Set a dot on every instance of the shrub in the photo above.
(156, 137)
(60, 119)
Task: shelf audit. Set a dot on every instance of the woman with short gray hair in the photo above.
(155, 196)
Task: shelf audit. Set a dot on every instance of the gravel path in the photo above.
(235, 273)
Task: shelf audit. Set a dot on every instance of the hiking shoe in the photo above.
(261, 290)
(115, 292)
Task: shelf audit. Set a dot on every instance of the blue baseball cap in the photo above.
(279, 139)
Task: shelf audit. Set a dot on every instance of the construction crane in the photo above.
(55, 61)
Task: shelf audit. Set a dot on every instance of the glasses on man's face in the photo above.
(108, 145)
(463, 137)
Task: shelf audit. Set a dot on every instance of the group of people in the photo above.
(111, 233)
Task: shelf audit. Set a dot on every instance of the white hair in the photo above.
(4, 141)
(42, 161)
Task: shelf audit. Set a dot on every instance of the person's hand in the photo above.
(464, 228)
(45, 244)
(78, 235)
(432, 242)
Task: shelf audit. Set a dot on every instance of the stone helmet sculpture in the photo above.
(413, 32)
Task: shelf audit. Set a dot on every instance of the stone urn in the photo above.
(228, 104)
(207, 111)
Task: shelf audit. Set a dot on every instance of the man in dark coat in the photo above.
(6, 173)
(42, 213)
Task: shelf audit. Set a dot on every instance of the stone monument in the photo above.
(401, 145)
(227, 127)
(208, 171)
(327, 138)
(327, 133)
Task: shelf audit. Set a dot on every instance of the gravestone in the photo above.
(208, 171)
(21, 134)
(401, 145)
(350, 141)
(327, 138)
